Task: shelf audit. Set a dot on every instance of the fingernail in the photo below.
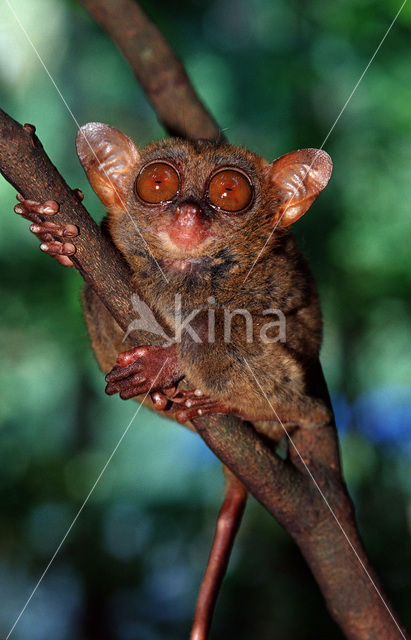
(50, 206)
(69, 248)
(70, 232)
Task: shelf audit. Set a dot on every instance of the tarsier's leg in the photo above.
(47, 231)
(186, 404)
(157, 370)
(228, 522)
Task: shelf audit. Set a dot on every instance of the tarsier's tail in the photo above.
(228, 522)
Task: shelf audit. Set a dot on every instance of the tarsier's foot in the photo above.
(46, 231)
(145, 370)
(192, 403)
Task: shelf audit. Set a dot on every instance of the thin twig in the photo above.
(156, 67)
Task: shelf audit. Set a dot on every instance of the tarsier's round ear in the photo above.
(299, 176)
(109, 159)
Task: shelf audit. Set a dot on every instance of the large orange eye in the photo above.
(157, 182)
(230, 190)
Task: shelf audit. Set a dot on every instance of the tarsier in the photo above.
(206, 223)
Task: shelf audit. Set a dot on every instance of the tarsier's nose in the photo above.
(189, 227)
(188, 213)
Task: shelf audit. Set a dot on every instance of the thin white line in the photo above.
(363, 73)
(329, 133)
(84, 504)
(325, 500)
(78, 126)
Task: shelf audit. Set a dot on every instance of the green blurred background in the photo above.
(275, 75)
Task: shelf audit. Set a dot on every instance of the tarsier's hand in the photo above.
(157, 370)
(52, 236)
(144, 370)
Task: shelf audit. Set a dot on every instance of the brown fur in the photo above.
(280, 279)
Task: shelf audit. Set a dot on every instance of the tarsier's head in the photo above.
(185, 202)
